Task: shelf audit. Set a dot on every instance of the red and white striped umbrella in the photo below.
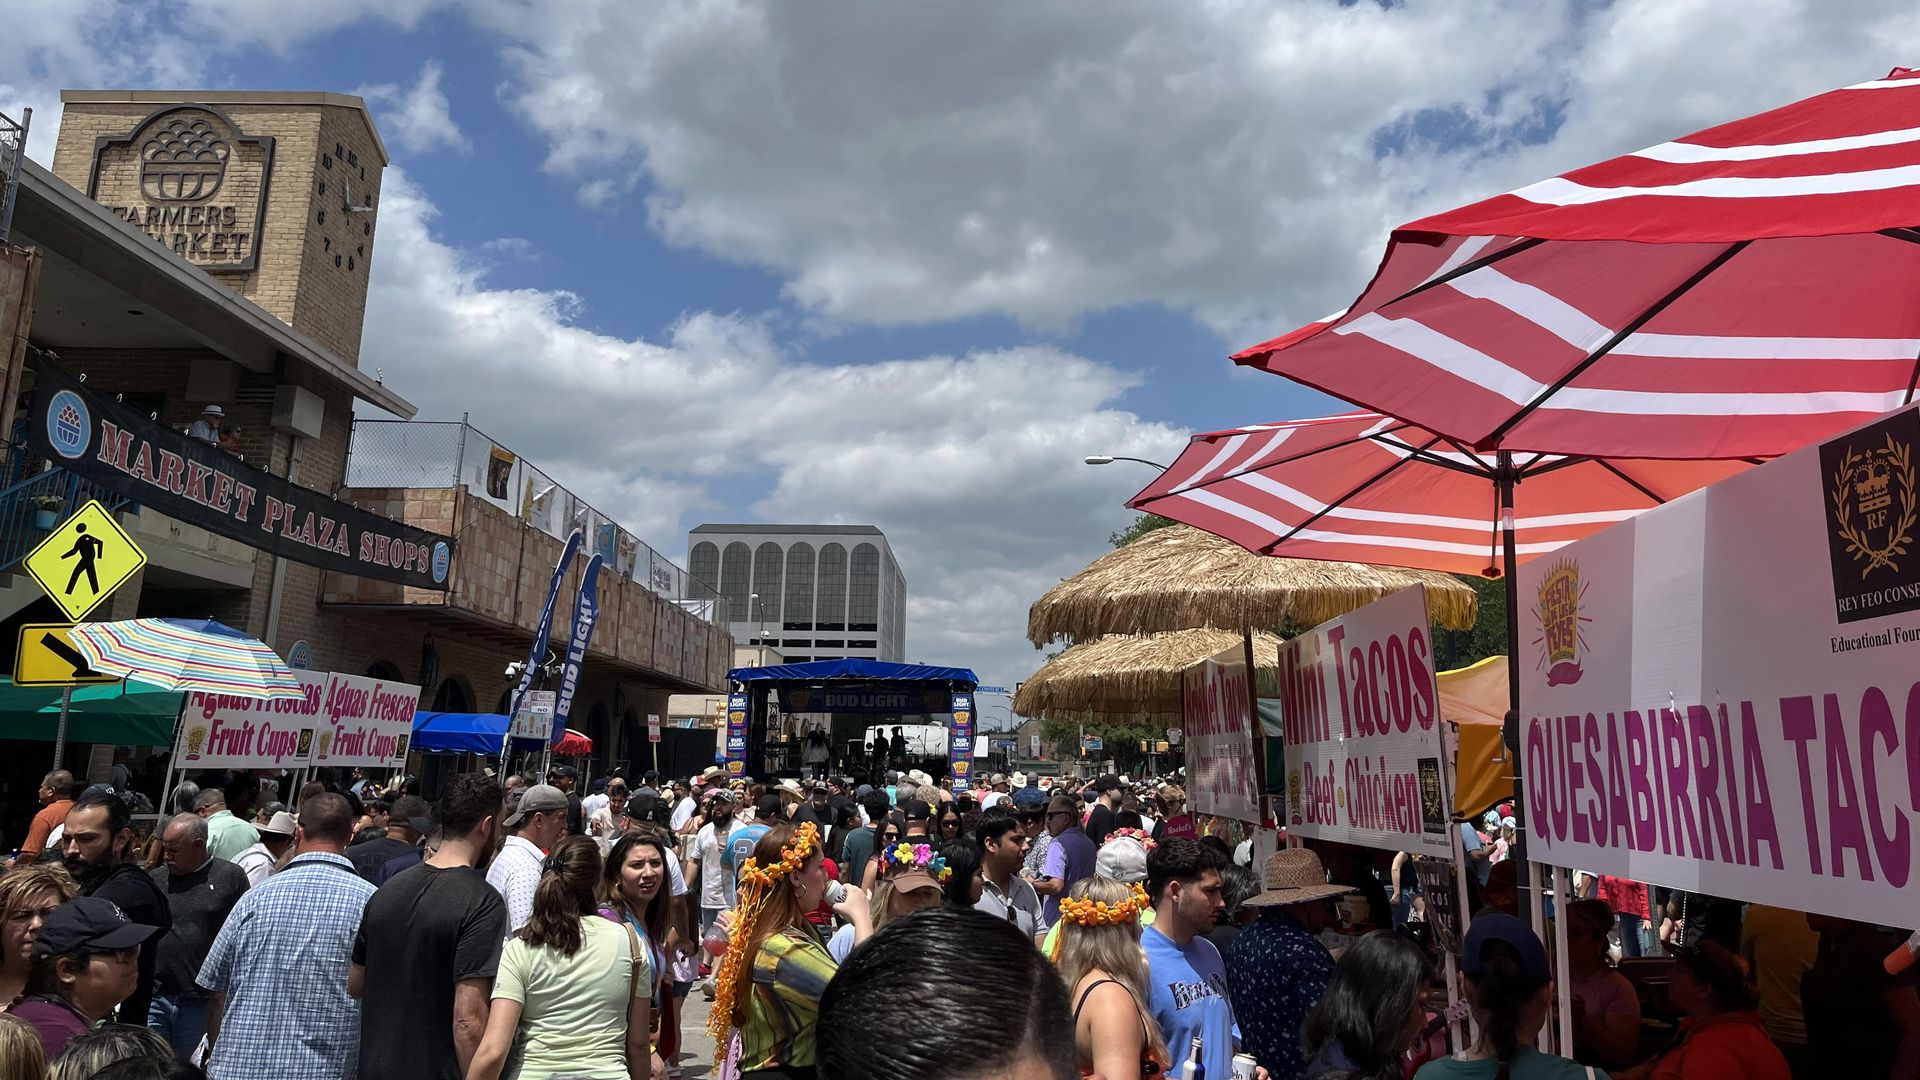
(1367, 488)
(1735, 293)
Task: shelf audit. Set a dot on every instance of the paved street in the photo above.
(696, 1046)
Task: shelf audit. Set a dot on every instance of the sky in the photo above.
(908, 263)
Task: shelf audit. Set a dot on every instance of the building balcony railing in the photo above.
(416, 455)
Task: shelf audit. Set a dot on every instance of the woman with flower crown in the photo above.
(766, 1007)
(912, 878)
(1105, 968)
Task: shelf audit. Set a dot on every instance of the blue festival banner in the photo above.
(960, 741)
(537, 652)
(586, 612)
(736, 735)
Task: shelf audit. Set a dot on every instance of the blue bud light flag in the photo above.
(960, 742)
(585, 613)
(736, 735)
(537, 653)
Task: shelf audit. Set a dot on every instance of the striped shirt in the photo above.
(281, 960)
(790, 972)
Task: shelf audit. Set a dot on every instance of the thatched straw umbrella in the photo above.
(1128, 677)
(1179, 578)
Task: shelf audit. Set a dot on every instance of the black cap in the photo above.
(1106, 783)
(917, 810)
(91, 924)
(563, 770)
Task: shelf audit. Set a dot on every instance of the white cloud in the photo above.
(970, 463)
(913, 163)
(419, 118)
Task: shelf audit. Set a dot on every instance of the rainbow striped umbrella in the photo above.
(186, 654)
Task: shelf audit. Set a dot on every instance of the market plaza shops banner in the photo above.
(1361, 718)
(1720, 694)
(343, 720)
(1216, 705)
(189, 480)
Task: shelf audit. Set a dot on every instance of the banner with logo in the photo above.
(192, 481)
(586, 612)
(736, 735)
(342, 720)
(1720, 694)
(960, 740)
(543, 630)
(1217, 709)
(866, 698)
(1360, 715)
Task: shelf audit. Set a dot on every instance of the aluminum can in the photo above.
(1243, 1066)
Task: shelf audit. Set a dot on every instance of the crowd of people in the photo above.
(886, 928)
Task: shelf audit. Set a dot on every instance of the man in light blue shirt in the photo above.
(278, 968)
(1187, 981)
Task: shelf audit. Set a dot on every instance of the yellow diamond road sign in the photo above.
(84, 560)
(47, 658)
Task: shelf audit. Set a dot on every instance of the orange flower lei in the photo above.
(1100, 913)
(755, 882)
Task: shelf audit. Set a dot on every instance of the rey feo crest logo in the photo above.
(1562, 643)
(1872, 509)
(69, 424)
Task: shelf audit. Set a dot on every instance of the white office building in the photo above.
(812, 592)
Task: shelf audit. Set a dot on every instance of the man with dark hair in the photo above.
(201, 891)
(406, 823)
(564, 777)
(862, 843)
(428, 947)
(881, 1018)
(1104, 818)
(98, 850)
(289, 941)
(1004, 894)
(1187, 982)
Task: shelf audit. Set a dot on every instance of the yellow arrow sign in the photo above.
(46, 657)
(83, 561)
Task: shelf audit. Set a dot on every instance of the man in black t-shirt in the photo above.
(428, 947)
(98, 850)
(407, 822)
(1104, 818)
(564, 777)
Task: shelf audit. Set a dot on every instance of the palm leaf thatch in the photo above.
(1180, 578)
(1128, 677)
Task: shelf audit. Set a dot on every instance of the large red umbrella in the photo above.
(1735, 293)
(1362, 487)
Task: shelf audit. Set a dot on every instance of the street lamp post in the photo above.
(1108, 459)
(755, 614)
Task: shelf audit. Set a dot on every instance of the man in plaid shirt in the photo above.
(278, 969)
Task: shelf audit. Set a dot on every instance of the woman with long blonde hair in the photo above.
(766, 1008)
(27, 893)
(1106, 969)
(21, 1053)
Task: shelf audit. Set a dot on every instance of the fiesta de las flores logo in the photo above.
(1871, 508)
(1562, 641)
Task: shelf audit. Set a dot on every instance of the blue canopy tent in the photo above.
(468, 733)
(872, 688)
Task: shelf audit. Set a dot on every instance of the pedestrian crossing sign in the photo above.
(83, 561)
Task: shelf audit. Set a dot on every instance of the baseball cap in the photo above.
(917, 809)
(909, 880)
(281, 824)
(1106, 783)
(1122, 859)
(91, 923)
(413, 810)
(535, 799)
(1510, 931)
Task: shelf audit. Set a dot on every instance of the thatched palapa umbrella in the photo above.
(1180, 578)
(1126, 677)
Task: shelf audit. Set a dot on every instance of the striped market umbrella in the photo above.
(186, 654)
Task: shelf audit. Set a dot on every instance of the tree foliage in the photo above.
(1460, 648)
(1121, 740)
(1141, 526)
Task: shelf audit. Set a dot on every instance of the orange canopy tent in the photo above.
(1474, 700)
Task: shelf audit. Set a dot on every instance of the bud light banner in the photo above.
(1720, 694)
(1360, 716)
(585, 613)
(736, 735)
(121, 449)
(960, 741)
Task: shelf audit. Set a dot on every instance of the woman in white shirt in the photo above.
(573, 988)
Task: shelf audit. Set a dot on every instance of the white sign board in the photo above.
(1719, 695)
(534, 718)
(1361, 714)
(365, 722)
(653, 727)
(1217, 714)
(341, 720)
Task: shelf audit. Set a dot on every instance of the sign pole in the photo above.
(60, 736)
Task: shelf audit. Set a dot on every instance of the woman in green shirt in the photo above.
(766, 1010)
(571, 996)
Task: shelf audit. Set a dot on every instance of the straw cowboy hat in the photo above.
(790, 786)
(1295, 876)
